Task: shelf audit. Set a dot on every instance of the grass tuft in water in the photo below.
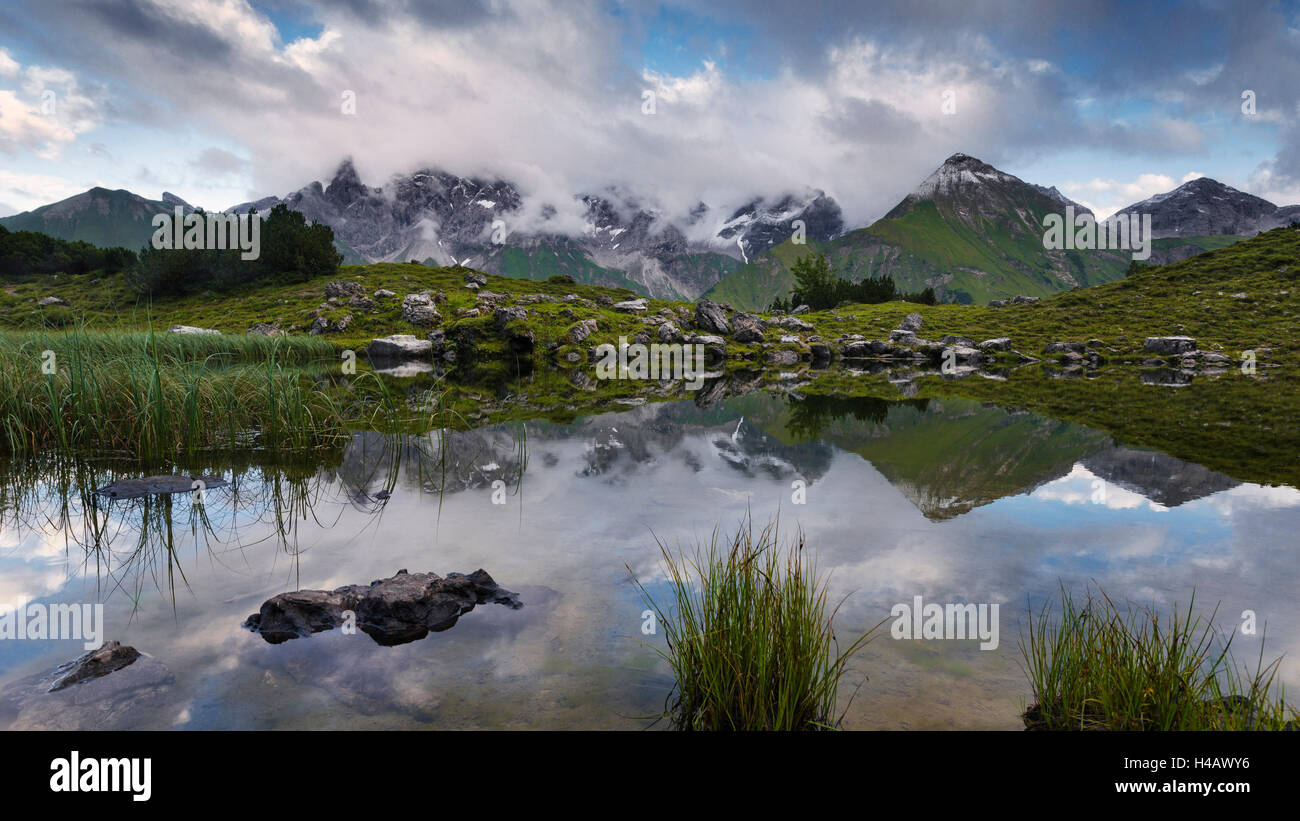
(1096, 668)
(158, 396)
(749, 638)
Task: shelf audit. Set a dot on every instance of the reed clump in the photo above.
(1095, 667)
(749, 638)
(157, 396)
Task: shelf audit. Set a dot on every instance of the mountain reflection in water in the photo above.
(948, 499)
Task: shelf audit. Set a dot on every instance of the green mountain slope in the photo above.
(99, 216)
(972, 232)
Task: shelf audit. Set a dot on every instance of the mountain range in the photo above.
(970, 231)
(438, 218)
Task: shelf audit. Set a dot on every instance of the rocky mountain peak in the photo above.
(346, 185)
(958, 172)
(1205, 207)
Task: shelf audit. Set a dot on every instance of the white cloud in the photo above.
(26, 191)
(47, 112)
(8, 65)
(1106, 196)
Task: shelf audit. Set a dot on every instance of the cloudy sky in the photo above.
(222, 101)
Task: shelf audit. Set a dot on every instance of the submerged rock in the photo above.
(148, 485)
(99, 662)
(114, 687)
(396, 610)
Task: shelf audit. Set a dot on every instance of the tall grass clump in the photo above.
(1093, 667)
(160, 396)
(749, 638)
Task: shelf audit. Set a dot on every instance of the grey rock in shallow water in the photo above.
(116, 688)
(396, 610)
(93, 664)
(147, 485)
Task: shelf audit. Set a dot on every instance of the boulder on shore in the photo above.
(190, 329)
(747, 328)
(631, 306)
(709, 316)
(1168, 345)
(418, 309)
(399, 346)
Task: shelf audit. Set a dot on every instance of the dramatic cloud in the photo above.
(757, 98)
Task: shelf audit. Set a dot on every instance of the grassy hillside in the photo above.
(969, 253)
(1245, 297)
(99, 216)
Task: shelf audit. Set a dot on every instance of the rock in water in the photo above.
(99, 662)
(396, 610)
(145, 486)
(112, 688)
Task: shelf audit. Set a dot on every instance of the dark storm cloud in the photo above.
(142, 23)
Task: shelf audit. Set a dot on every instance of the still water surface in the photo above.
(950, 500)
